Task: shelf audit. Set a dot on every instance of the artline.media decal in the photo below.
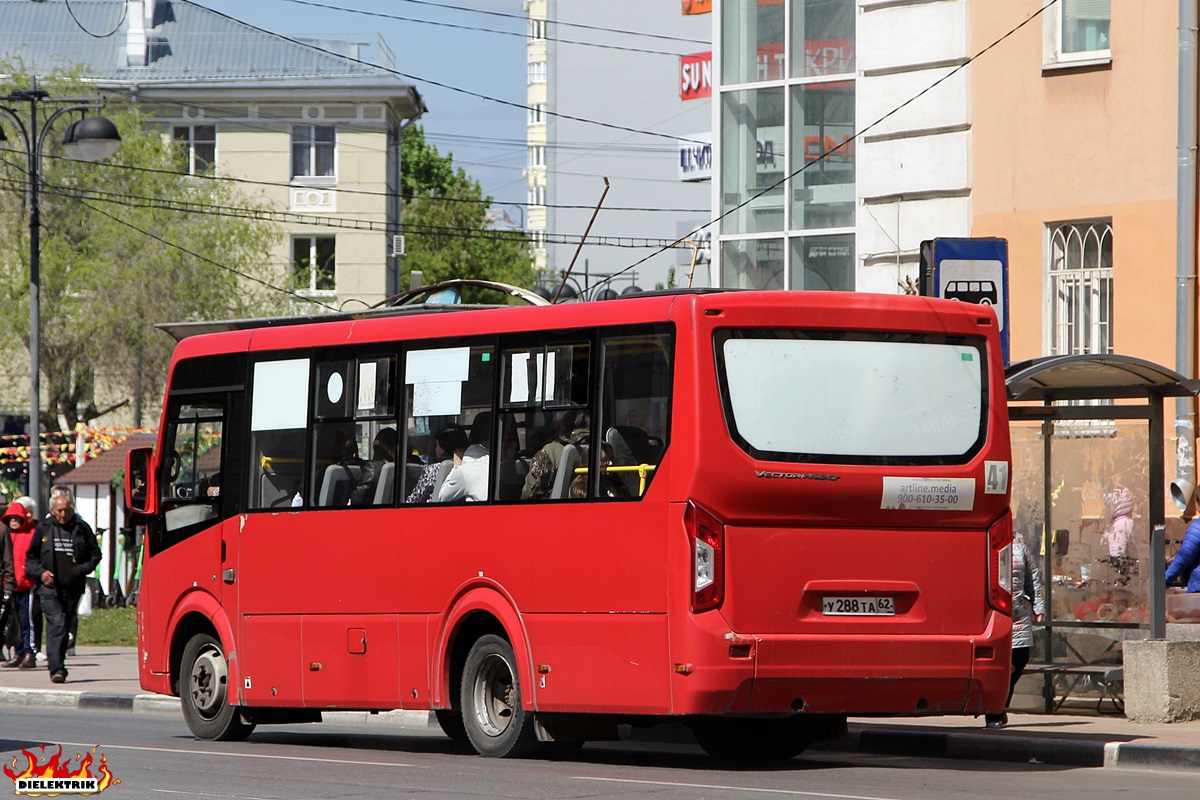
(51, 777)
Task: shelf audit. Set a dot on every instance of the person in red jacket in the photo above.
(19, 529)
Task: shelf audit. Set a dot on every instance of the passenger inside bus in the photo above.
(610, 484)
(383, 454)
(569, 427)
(446, 443)
(468, 479)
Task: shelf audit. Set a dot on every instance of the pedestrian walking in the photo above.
(62, 553)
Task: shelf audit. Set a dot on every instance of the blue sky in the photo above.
(464, 47)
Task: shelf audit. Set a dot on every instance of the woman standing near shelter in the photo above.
(1029, 606)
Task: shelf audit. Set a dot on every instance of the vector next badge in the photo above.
(51, 777)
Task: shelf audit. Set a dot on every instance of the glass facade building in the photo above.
(785, 187)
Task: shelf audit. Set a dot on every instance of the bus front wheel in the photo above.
(204, 692)
(495, 721)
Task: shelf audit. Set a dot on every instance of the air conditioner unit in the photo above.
(398, 244)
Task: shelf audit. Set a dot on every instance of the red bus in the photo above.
(754, 513)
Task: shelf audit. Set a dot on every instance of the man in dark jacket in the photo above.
(62, 553)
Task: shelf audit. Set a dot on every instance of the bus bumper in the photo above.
(868, 675)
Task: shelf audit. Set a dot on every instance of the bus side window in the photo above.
(278, 424)
(449, 388)
(194, 437)
(635, 408)
(544, 398)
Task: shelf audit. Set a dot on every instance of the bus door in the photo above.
(311, 577)
(194, 507)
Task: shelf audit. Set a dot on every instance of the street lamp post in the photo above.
(87, 139)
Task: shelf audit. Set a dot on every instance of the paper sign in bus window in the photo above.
(366, 385)
(437, 377)
(276, 405)
(519, 379)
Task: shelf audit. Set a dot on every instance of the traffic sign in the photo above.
(969, 270)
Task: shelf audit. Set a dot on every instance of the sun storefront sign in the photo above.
(54, 776)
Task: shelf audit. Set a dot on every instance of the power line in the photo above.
(268, 215)
(203, 258)
(468, 92)
(457, 26)
(366, 192)
(520, 17)
(80, 25)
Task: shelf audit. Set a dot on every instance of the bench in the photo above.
(1108, 678)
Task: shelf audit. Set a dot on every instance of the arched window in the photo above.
(1081, 283)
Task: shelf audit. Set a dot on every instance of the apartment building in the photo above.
(312, 126)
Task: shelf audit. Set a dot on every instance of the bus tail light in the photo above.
(707, 535)
(1000, 566)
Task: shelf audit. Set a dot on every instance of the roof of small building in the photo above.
(101, 469)
(187, 48)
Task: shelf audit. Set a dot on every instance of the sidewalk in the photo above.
(106, 677)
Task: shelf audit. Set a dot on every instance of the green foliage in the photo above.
(105, 277)
(114, 627)
(446, 212)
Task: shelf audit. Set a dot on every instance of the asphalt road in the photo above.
(154, 756)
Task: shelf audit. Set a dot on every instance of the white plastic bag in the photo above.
(85, 603)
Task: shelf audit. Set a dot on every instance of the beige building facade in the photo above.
(1074, 163)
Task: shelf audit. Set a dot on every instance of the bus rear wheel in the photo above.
(204, 692)
(753, 739)
(495, 722)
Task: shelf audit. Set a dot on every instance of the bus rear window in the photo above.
(853, 397)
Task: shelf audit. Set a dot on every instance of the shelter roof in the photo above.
(1091, 376)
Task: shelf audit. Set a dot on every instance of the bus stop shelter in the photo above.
(1087, 429)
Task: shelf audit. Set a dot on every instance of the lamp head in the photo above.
(91, 139)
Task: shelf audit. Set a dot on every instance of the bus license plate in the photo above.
(858, 606)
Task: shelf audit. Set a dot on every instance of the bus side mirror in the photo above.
(139, 496)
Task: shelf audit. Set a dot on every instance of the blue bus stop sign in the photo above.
(970, 270)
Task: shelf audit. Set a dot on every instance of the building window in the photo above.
(752, 39)
(1078, 30)
(537, 195)
(537, 114)
(1081, 283)
(537, 30)
(537, 156)
(752, 164)
(197, 147)
(826, 28)
(537, 72)
(822, 133)
(537, 239)
(313, 263)
(312, 151)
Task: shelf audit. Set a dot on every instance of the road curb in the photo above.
(1133, 755)
(975, 746)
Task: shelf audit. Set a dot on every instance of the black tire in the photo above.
(496, 724)
(204, 692)
(753, 739)
(451, 722)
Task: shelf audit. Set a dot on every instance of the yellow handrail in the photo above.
(270, 461)
(643, 471)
